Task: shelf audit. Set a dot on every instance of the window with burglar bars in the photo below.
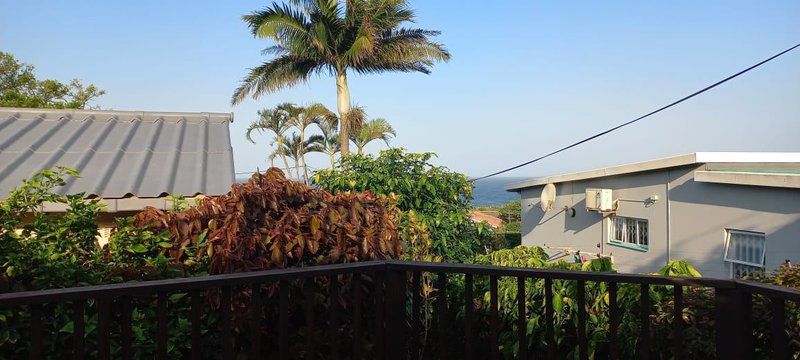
(630, 232)
(745, 251)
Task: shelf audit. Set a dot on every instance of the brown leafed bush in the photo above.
(271, 222)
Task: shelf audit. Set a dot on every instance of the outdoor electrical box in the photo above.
(599, 200)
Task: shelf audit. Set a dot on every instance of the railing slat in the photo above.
(103, 327)
(613, 310)
(78, 313)
(549, 333)
(734, 332)
(469, 305)
(644, 320)
(126, 335)
(358, 296)
(441, 308)
(677, 323)
(255, 321)
(583, 347)
(283, 320)
(35, 351)
(779, 339)
(522, 324)
(195, 314)
(379, 350)
(333, 298)
(311, 337)
(493, 318)
(396, 315)
(162, 335)
(225, 313)
(416, 306)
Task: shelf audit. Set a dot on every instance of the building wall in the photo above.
(699, 213)
(587, 231)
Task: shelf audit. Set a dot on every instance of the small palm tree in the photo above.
(329, 140)
(375, 129)
(273, 120)
(334, 37)
(301, 118)
(296, 149)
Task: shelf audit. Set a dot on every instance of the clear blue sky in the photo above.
(526, 76)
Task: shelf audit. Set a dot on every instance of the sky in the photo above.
(526, 77)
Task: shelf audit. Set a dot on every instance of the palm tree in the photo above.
(329, 36)
(301, 118)
(329, 141)
(296, 149)
(273, 120)
(375, 129)
(291, 147)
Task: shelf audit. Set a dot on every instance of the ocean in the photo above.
(491, 191)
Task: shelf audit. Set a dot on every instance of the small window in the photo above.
(628, 231)
(745, 251)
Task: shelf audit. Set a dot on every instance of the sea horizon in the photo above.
(492, 192)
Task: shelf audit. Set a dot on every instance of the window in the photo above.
(629, 232)
(745, 251)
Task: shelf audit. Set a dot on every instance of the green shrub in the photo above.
(439, 197)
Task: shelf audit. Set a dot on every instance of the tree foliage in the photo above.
(438, 197)
(334, 37)
(19, 87)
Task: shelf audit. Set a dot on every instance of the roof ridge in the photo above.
(141, 113)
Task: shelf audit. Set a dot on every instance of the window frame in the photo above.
(729, 232)
(638, 246)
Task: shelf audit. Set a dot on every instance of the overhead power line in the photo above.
(639, 118)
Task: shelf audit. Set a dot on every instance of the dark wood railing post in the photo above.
(79, 311)
(644, 318)
(442, 315)
(493, 318)
(734, 338)
(36, 332)
(469, 306)
(103, 328)
(779, 339)
(396, 314)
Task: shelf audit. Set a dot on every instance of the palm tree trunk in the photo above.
(283, 156)
(333, 162)
(343, 103)
(303, 154)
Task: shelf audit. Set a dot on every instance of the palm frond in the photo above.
(280, 73)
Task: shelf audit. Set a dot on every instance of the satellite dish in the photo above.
(548, 197)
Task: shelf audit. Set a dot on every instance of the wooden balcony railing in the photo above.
(394, 303)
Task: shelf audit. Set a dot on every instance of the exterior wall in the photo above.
(693, 215)
(702, 211)
(587, 231)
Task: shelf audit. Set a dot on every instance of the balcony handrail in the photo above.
(265, 276)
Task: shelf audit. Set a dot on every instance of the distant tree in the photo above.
(296, 148)
(375, 129)
(301, 117)
(275, 121)
(329, 140)
(322, 36)
(20, 88)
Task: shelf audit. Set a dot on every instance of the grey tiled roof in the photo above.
(119, 153)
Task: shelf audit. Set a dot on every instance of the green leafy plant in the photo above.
(438, 197)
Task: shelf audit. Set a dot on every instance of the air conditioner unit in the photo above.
(599, 200)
